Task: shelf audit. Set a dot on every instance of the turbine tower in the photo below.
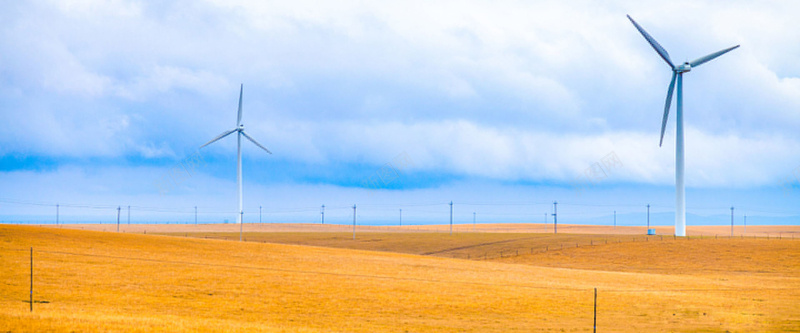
(677, 74)
(239, 129)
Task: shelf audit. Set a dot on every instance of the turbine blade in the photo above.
(666, 107)
(224, 134)
(656, 46)
(239, 118)
(256, 143)
(710, 57)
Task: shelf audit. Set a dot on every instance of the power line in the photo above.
(574, 210)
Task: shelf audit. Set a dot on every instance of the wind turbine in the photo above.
(239, 129)
(677, 73)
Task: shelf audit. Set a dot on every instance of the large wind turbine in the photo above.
(239, 129)
(677, 72)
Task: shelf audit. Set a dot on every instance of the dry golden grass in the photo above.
(95, 281)
(708, 256)
(460, 245)
(785, 231)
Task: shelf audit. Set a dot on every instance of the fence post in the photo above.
(31, 279)
(594, 327)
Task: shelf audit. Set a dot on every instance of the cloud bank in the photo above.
(507, 91)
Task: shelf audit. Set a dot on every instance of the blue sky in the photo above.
(489, 102)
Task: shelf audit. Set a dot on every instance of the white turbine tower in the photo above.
(677, 72)
(240, 132)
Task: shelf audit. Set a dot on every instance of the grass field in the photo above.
(398, 281)
(786, 231)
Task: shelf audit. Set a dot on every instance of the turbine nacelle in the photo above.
(685, 68)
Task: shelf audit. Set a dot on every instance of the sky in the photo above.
(502, 107)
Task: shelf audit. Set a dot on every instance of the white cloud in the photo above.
(507, 153)
(92, 9)
(65, 73)
(164, 79)
(150, 150)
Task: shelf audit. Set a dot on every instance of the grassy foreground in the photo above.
(95, 281)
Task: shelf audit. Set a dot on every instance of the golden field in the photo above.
(786, 231)
(394, 280)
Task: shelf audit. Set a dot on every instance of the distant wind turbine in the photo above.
(240, 130)
(677, 72)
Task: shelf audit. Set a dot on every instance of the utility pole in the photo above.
(129, 214)
(354, 222)
(451, 217)
(731, 221)
(118, 209)
(401, 217)
(323, 214)
(195, 215)
(545, 222)
(474, 220)
(555, 217)
(648, 217)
